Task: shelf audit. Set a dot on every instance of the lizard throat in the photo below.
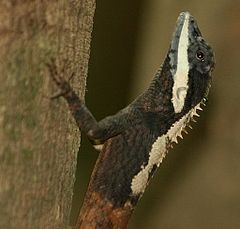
(160, 148)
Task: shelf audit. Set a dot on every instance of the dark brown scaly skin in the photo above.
(128, 136)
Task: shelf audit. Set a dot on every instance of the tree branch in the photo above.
(39, 146)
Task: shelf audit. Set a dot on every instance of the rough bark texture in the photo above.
(38, 140)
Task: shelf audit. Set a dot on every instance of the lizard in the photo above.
(133, 142)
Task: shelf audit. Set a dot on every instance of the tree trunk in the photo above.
(38, 139)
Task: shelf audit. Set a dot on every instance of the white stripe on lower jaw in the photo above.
(180, 84)
(159, 150)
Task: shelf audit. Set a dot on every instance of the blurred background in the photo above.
(198, 184)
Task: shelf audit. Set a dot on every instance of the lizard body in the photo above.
(133, 142)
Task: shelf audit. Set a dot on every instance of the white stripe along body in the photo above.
(160, 148)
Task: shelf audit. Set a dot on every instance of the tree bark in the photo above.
(38, 139)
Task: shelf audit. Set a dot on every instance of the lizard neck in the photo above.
(157, 98)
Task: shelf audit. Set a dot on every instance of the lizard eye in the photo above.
(200, 55)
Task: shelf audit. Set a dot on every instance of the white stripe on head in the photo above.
(180, 84)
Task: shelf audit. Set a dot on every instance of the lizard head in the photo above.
(191, 62)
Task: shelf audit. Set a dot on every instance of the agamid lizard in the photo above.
(133, 142)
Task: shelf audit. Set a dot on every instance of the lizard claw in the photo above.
(57, 77)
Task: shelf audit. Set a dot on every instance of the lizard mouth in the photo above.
(193, 32)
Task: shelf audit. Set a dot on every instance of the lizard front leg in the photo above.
(97, 132)
(97, 210)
